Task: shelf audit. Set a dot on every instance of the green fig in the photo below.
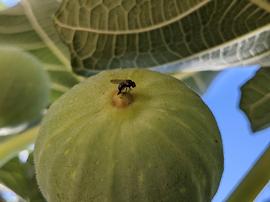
(154, 141)
(24, 88)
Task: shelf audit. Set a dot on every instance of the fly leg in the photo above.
(127, 88)
(119, 90)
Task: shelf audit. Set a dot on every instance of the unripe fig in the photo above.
(24, 88)
(155, 142)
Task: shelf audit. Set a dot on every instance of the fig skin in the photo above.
(162, 144)
(25, 88)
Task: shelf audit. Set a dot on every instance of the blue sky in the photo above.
(10, 2)
(241, 146)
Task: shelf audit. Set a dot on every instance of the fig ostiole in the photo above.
(155, 142)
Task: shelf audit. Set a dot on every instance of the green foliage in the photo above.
(256, 98)
(194, 35)
(197, 81)
(20, 177)
(29, 27)
(2, 6)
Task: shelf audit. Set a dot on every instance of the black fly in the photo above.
(123, 84)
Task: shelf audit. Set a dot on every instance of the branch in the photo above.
(13, 145)
(254, 181)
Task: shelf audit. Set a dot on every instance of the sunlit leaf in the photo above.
(198, 81)
(2, 6)
(195, 35)
(255, 99)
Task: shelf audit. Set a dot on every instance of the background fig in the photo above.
(157, 142)
(24, 87)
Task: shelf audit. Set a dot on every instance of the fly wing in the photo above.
(117, 81)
